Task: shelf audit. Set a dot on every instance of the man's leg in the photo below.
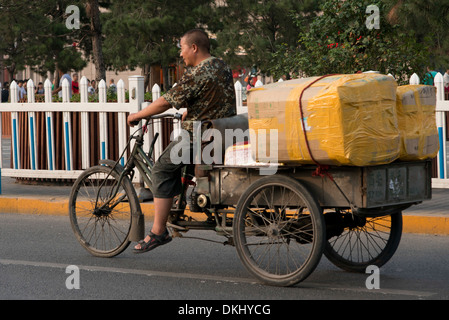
(166, 178)
(162, 207)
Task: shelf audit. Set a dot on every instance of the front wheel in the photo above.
(100, 209)
(279, 231)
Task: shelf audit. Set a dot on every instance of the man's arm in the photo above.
(56, 90)
(159, 106)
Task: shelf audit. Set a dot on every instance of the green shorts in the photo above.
(167, 171)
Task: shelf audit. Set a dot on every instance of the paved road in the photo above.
(36, 250)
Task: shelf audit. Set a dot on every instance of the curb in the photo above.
(434, 225)
(58, 207)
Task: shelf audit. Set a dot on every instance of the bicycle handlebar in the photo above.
(176, 116)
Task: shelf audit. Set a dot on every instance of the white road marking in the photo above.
(203, 277)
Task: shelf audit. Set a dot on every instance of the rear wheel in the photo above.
(363, 241)
(279, 231)
(102, 224)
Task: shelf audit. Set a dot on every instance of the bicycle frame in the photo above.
(178, 221)
(140, 160)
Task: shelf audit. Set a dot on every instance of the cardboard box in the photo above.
(416, 106)
(348, 120)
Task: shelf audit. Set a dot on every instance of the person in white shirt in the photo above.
(446, 78)
(21, 91)
(90, 89)
(63, 75)
(112, 86)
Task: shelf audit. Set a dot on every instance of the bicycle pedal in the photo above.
(176, 227)
(176, 233)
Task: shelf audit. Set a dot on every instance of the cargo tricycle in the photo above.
(280, 223)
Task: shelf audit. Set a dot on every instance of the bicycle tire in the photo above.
(102, 232)
(280, 241)
(373, 243)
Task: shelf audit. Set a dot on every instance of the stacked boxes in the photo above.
(353, 120)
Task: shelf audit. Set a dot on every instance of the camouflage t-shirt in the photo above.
(207, 91)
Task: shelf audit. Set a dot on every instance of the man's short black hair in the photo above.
(198, 37)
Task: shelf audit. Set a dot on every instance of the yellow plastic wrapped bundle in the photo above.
(416, 119)
(348, 119)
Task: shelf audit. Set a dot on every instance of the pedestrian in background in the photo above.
(5, 92)
(75, 85)
(21, 91)
(63, 75)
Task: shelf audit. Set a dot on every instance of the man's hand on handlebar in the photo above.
(132, 120)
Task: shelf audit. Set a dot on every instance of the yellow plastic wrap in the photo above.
(349, 120)
(416, 119)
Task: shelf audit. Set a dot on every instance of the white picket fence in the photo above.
(49, 107)
(442, 179)
(136, 102)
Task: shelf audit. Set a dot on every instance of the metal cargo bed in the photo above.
(364, 189)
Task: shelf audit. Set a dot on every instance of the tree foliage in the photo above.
(429, 22)
(340, 41)
(36, 35)
(142, 33)
(249, 32)
(277, 37)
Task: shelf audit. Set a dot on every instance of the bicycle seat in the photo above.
(223, 133)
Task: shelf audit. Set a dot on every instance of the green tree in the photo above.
(95, 30)
(13, 25)
(340, 41)
(142, 33)
(429, 21)
(93, 27)
(38, 37)
(250, 31)
(55, 47)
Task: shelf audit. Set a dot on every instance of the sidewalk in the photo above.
(429, 217)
